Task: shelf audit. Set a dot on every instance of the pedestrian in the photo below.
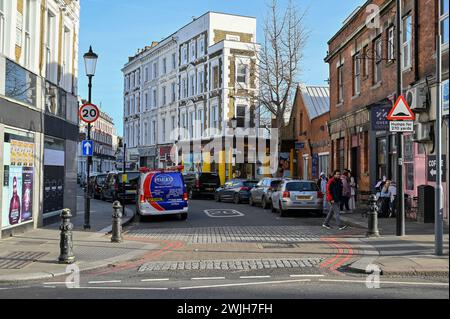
(386, 197)
(334, 197)
(352, 202)
(346, 192)
(322, 185)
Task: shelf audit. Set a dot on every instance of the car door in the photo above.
(276, 196)
(256, 192)
(225, 191)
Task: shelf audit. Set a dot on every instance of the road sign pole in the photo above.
(124, 172)
(87, 198)
(400, 192)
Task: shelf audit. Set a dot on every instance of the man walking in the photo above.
(334, 197)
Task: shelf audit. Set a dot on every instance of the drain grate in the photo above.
(20, 259)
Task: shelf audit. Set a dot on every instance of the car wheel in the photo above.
(264, 203)
(250, 201)
(182, 216)
(217, 197)
(282, 212)
(236, 199)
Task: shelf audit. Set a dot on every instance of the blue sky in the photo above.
(117, 28)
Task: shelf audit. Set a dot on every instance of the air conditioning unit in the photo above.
(416, 98)
(422, 132)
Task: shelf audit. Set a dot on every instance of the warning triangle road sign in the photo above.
(401, 111)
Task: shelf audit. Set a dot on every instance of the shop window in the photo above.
(381, 157)
(341, 154)
(54, 162)
(409, 171)
(20, 84)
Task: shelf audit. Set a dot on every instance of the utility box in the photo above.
(425, 211)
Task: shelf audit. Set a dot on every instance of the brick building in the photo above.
(362, 60)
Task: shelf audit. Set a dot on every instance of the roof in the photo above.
(316, 99)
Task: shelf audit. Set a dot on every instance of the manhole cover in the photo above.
(275, 245)
(20, 259)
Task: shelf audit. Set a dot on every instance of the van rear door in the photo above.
(165, 191)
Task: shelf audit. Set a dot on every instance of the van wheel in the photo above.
(182, 216)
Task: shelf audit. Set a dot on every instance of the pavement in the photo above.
(409, 255)
(34, 255)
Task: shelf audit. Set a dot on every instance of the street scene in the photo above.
(224, 151)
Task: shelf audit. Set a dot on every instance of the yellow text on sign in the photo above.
(124, 178)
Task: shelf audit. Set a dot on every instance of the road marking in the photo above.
(55, 283)
(49, 286)
(124, 288)
(208, 278)
(253, 277)
(155, 279)
(247, 284)
(223, 213)
(388, 282)
(298, 276)
(105, 282)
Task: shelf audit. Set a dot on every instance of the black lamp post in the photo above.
(234, 126)
(90, 63)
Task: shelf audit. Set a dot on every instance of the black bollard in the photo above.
(66, 243)
(117, 223)
(372, 230)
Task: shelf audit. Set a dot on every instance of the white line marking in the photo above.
(246, 284)
(105, 282)
(207, 278)
(155, 279)
(49, 286)
(123, 288)
(54, 283)
(235, 213)
(298, 276)
(253, 277)
(389, 282)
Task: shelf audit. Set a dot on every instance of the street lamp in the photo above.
(234, 126)
(90, 63)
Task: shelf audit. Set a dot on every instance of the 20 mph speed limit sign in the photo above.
(89, 113)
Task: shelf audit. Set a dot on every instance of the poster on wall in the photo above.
(284, 165)
(17, 207)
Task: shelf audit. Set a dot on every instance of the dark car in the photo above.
(115, 189)
(201, 184)
(262, 192)
(96, 184)
(236, 190)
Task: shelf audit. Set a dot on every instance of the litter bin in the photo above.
(425, 212)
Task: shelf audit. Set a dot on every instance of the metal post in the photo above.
(87, 203)
(400, 192)
(234, 155)
(124, 172)
(439, 210)
(372, 229)
(117, 223)
(66, 255)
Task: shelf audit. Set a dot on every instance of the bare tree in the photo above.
(279, 58)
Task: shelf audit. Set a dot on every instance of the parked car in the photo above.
(299, 195)
(204, 184)
(262, 192)
(114, 188)
(162, 193)
(236, 190)
(96, 184)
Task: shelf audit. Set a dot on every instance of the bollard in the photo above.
(373, 218)
(66, 255)
(117, 223)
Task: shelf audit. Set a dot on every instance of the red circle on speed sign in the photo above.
(89, 113)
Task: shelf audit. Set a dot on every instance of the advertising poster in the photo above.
(13, 194)
(284, 165)
(27, 194)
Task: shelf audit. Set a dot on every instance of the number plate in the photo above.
(304, 197)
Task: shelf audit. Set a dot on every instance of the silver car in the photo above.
(299, 195)
(262, 192)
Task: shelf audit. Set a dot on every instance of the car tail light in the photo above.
(245, 188)
(319, 195)
(185, 196)
(286, 194)
(142, 199)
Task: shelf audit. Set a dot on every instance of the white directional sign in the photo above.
(401, 126)
(87, 147)
(89, 113)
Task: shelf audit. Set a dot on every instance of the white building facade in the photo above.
(196, 80)
(38, 111)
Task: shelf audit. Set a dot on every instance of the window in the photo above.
(21, 84)
(163, 130)
(191, 124)
(174, 88)
(2, 26)
(340, 76)
(146, 73)
(146, 100)
(155, 99)
(184, 88)
(241, 111)
(356, 74)
(183, 125)
(323, 163)
(174, 123)
(184, 53)
(138, 103)
(153, 132)
(390, 44)
(232, 37)
(155, 70)
(164, 95)
(66, 63)
(215, 74)
(192, 84)
(366, 61)
(127, 107)
(201, 81)
(132, 80)
(145, 133)
(443, 19)
(174, 61)
(138, 77)
(214, 122)
(406, 42)
(192, 51)
(201, 46)
(164, 66)
(241, 76)
(49, 46)
(201, 120)
(27, 42)
(340, 154)
(377, 54)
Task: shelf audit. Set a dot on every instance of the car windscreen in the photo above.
(209, 178)
(301, 187)
(132, 178)
(274, 184)
(250, 184)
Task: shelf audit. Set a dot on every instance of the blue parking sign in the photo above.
(87, 148)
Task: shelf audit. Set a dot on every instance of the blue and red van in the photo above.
(162, 193)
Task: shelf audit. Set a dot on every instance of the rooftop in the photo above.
(316, 99)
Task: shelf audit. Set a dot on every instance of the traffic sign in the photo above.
(401, 126)
(401, 111)
(431, 168)
(87, 147)
(89, 113)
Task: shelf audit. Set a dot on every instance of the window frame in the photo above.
(340, 78)
(377, 59)
(390, 43)
(2, 26)
(406, 42)
(357, 73)
(444, 16)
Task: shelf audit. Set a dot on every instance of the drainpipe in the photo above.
(416, 40)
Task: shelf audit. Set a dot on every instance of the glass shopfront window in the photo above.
(20, 84)
(18, 169)
(54, 159)
(381, 157)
